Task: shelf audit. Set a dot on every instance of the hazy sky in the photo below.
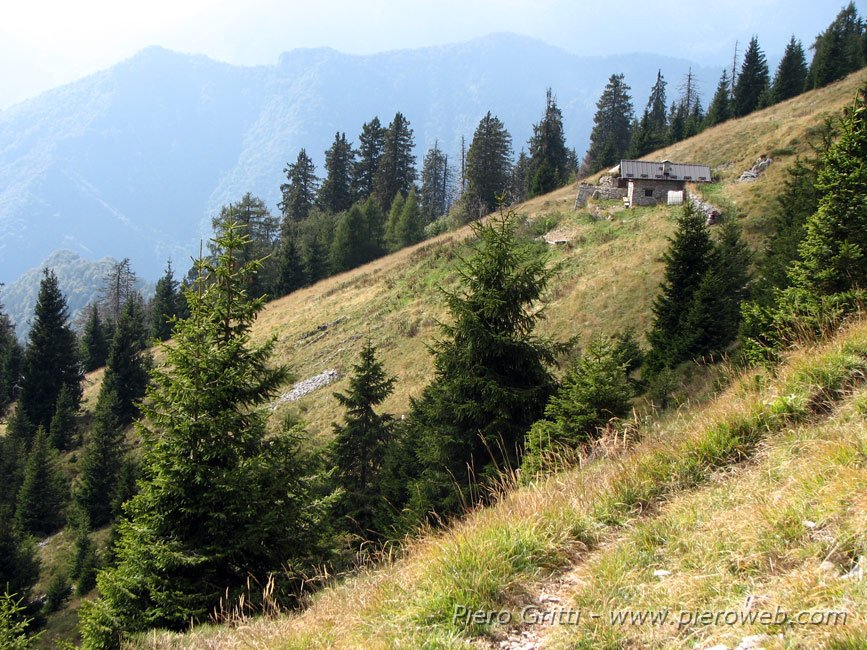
(45, 43)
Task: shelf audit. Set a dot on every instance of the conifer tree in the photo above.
(719, 110)
(12, 459)
(488, 163)
(547, 167)
(44, 492)
(409, 228)
(436, 183)
(51, 358)
(392, 243)
(612, 126)
(19, 564)
(839, 49)
(518, 178)
(335, 193)
(370, 147)
(290, 268)
(10, 362)
(129, 362)
(61, 433)
(358, 238)
(299, 190)
(791, 76)
(217, 496)
(360, 444)
(93, 345)
(101, 462)
(686, 262)
(396, 169)
(752, 80)
(315, 259)
(491, 378)
(164, 306)
(118, 287)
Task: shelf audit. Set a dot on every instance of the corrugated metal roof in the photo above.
(664, 170)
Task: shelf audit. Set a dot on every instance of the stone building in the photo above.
(649, 183)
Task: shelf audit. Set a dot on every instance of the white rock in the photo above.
(809, 524)
(661, 573)
(828, 567)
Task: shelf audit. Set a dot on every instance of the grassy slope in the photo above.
(677, 500)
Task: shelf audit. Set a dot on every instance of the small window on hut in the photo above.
(648, 191)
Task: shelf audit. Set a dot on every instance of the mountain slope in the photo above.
(133, 161)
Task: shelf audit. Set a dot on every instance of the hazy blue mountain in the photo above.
(80, 281)
(134, 161)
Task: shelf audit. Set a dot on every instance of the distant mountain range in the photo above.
(133, 161)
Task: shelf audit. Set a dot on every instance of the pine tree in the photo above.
(547, 168)
(335, 193)
(489, 163)
(719, 110)
(491, 378)
(51, 358)
(839, 49)
(360, 444)
(396, 169)
(299, 190)
(164, 306)
(61, 433)
(835, 244)
(370, 147)
(93, 345)
(129, 362)
(101, 462)
(612, 126)
(436, 185)
(217, 496)
(791, 76)
(752, 80)
(686, 262)
(44, 492)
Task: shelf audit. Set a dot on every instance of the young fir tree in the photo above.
(488, 164)
(752, 81)
(720, 109)
(299, 190)
(101, 462)
(164, 306)
(51, 358)
(791, 76)
(93, 345)
(360, 444)
(370, 147)
(491, 378)
(395, 172)
(61, 433)
(129, 362)
(335, 193)
(612, 126)
(44, 492)
(220, 502)
(547, 168)
(839, 49)
(686, 262)
(409, 228)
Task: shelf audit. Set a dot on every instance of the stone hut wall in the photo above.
(650, 191)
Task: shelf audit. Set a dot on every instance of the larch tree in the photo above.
(217, 494)
(612, 126)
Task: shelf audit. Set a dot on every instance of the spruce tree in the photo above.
(360, 444)
(719, 110)
(488, 164)
(62, 432)
(316, 260)
(390, 235)
(10, 362)
(218, 497)
(839, 49)
(44, 492)
(396, 169)
(358, 238)
(409, 228)
(335, 193)
(491, 378)
(164, 306)
(19, 564)
(93, 345)
(752, 81)
(299, 190)
(101, 462)
(290, 268)
(12, 459)
(370, 147)
(51, 358)
(791, 76)
(436, 185)
(129, 362)
(547, 167)
(686, 262)
(612, 126)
